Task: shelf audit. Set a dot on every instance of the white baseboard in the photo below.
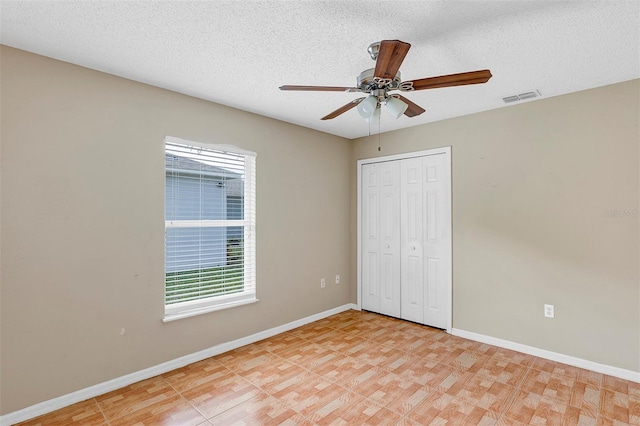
(621, 373)
(117, 383)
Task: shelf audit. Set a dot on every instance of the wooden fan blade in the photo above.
(413, 110)
(471, 77)
(342, 109)
(390, 57)
(320, 88)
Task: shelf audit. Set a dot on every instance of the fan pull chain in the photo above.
(380, 119)
(379, 133)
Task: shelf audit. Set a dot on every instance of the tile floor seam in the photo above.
(514, 394)
(184, 398)
(268, 393)
(208, 419)
(406, 415)
(233, 406)
(599, 402)
(568, 403)
(101, 412)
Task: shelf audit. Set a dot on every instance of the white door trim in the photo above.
(447, 152)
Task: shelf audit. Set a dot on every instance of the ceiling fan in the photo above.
(385, 77)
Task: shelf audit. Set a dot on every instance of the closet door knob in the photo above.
(413, 247)
(388, 246)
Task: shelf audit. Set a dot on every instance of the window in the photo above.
(209, 228)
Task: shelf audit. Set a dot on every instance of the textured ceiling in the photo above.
(238, 53)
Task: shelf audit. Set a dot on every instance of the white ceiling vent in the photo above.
(521, 97)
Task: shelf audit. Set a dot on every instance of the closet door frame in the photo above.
(447, 220)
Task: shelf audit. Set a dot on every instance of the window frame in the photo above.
(185, 309)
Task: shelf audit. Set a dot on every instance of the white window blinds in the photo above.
(209, 227)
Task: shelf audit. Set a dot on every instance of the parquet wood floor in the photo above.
(360, 368)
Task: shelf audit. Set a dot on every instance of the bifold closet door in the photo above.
(381, 238)
(411, 239)
(424, 248)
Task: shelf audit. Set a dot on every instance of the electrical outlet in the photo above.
(323, 283)
(337, 279)
(549, 311)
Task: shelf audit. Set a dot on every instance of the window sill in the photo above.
(207, 309)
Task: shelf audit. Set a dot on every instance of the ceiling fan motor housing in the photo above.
(367, 81)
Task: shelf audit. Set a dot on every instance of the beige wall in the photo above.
(83, 226)
(532, 185)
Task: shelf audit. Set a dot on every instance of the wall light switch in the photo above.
(337, 279)
(323, 283)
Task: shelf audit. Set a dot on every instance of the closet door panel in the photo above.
(390, 238)
(435, 241)
(381, 238)
(411, 253)
(370, 238)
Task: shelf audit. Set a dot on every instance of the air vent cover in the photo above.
(521, 97)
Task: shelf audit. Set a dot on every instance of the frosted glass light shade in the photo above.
(375, 117)
(396, 107)
(368, 106)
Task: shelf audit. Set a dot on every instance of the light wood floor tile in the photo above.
(546, 384)
(352, 409)
(279, 341)
(454, 382)
(590, 377)
(306, 354)
(83, 413)
(484, 393)
(368, 329)
(263, 409)
(604, 421)
(360, 368)
(334, 366)
(514, 357)
(463, 359)
(375, 354)
(390, 390)
(213, 398)
(531, 408)
(425, 372)
(196, 374)
(310, 331)
(634, 411)
(135, 397)
(339, 341)
(442, 408)
(434, 350)
(267, 376)
(245, 358)
(396, 338)
(615, 405)
(306, 394)
(174, 411)
(556, 368)
(500, 370)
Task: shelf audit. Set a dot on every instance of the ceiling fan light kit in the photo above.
(367, 107)
(385, 77)
(396, 106)
(374, 119)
